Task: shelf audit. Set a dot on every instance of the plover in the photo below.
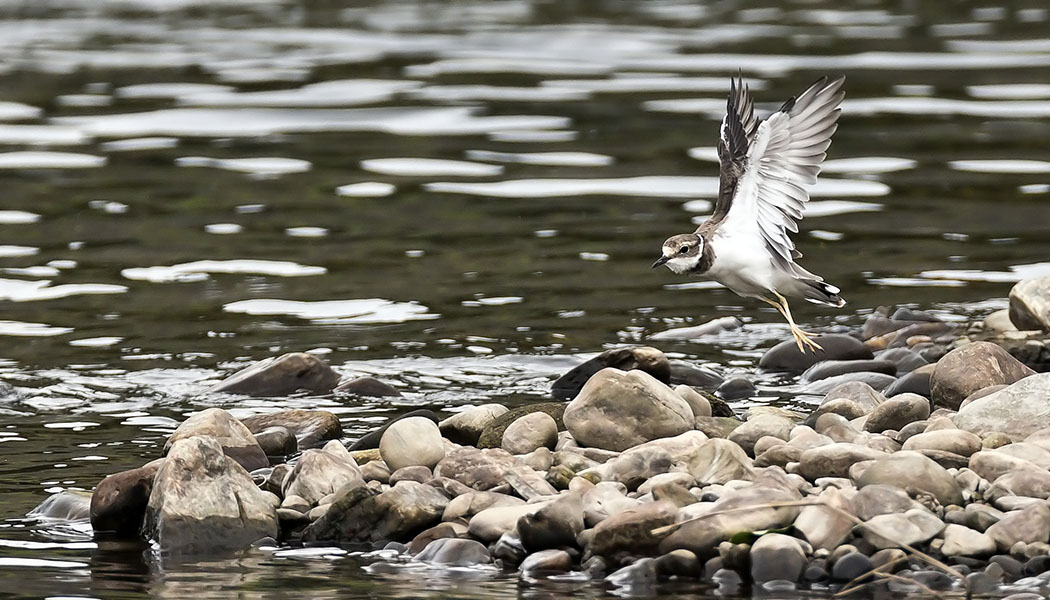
(765, 166)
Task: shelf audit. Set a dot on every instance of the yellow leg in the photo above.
(801, 337)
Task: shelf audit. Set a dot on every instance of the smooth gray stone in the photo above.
(832, 368)
(1030, 304)
(786, 356)
(1017, 410)
(906, 359)
(643, 358)
(877, 381)
(456, 552)
(280, 376)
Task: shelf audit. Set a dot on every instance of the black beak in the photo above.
(659, 261)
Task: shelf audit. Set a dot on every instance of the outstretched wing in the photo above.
(784, 157)
(735, 135)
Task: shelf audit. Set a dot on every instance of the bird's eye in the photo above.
(683, 249)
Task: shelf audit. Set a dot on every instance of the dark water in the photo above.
(140, 137)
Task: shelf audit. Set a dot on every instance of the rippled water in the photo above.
(461, 198)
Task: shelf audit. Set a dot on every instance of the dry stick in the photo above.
(922, 555)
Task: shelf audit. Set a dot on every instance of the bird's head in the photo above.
(681, 253)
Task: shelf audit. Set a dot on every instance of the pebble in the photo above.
(529, 432)
(410, 442)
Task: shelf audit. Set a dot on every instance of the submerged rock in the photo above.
(969, 368)
(67, 505)
(310, 427)
(832, 368)
(236, 439)
(616, 410)
(204, 502)
(456, 552)
(280, 376)
(641, 358)
(368, 386)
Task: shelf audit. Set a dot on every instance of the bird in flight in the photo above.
(765, 167)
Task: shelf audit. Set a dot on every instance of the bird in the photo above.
(764, 169)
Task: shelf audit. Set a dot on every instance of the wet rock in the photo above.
(824, 525)
(478, 469)
(319, 473)
(775, 556)
(532, 431)
(465, 506)
(906, 359)
(876, 381)
(955, 441)
(368, 387)
(911, 470)
(700, 405)
(963, 541)
(465, 427)
(685, 373)
(913, 527)
(850, 566)
(1018, 410)
(851, 400)
(118, 504)
(786, 356)
(896, 412)
(310, 427)
(1031, 524)
(718, 461)
(509, 549)
(410, 442)
(280, 376)
(834, 460)
(546, 561)
(360, 515)
(736, 388)
(371, 439)
(555, 525)
(455, 552)
(616, 410)
(678, 563)
(916, 382)
(203, 501)
(236, 440)
(272, 480)
(970, 368)
(492, 435)
(832, 368)
(632, 530)
(1030, 304)
(276, 441)
(760, 426)
(639, 575)
(489, 524)
(642, 358)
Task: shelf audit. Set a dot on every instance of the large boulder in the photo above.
(310, 427)
(786, 356)
(1030, 304)
(642, 358)
(1017, 410)
(411, 442)
(969, 368)
(236, 439)
(280, 376)
(319, 473)
(118, 504)
(616, 410)
(203, 501)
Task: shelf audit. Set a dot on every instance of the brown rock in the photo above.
(969, 368)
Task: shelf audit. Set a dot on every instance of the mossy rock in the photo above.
(492, 436)
(719, 407)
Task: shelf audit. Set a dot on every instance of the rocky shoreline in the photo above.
(925, 466)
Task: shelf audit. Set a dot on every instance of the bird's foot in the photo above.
(803, 340)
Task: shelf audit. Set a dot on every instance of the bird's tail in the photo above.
(821, 292)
